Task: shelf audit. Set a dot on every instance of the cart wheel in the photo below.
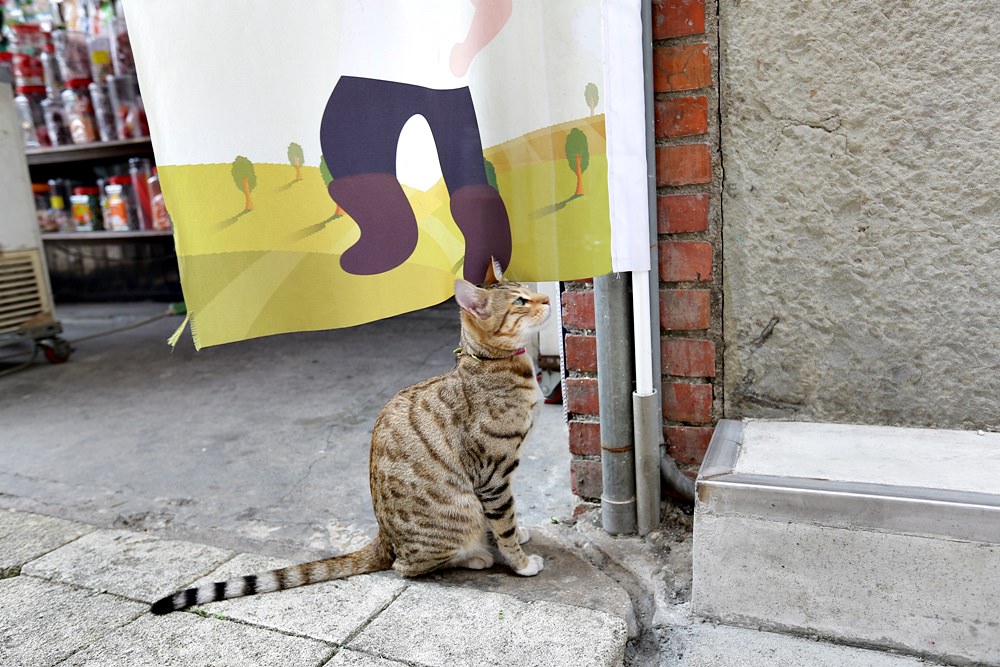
(56, 350)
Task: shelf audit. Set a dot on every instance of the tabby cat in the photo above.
(442, 455)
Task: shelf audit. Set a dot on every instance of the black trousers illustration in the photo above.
(359, 134)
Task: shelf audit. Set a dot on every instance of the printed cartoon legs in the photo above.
(359, 134)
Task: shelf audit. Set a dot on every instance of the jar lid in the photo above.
(113, 189)
(86, 191)
(120, 180)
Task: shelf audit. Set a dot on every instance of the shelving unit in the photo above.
(104, 265)
(106, 151)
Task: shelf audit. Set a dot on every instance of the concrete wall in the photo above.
(861, 210)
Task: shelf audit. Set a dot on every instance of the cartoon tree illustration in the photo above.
(578, 156)
(491, 174)
(297, 158)
(244, 178)
(324, 171)
(591, 96)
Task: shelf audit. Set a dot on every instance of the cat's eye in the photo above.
(520, 301)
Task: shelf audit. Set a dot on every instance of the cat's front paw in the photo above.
(522, 535)
(534, 566)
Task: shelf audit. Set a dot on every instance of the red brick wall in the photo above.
(688, 175)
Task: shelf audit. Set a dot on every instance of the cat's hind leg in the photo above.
(476, 558)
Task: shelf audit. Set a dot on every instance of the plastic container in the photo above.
(130, 116)
(139, 170)
(72, 54)
(103, 113)
(34, 96)
(124, 63)
(61, 220)
(55, 122)
(50, 69)
(117, 220)
(26, 118)
(99, 48)
(41, 194)
(29, 43)
(79, 112)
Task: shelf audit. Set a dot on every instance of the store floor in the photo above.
(260, 445)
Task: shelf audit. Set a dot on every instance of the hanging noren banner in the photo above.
(328, 163)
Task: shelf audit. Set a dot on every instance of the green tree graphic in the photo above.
(327, 179)
(297, 158)
(578, 156)
(244, 178)
(591, 96)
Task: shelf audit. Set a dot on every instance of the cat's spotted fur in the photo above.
(442, 455)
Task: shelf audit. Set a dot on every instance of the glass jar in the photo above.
(117, 220)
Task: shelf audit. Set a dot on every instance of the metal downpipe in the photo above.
(614, 387)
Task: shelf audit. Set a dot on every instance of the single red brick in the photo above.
(678, 18)
(677, 214)
(585, 478)
(683, 67)
(685, 261)
(681, 117)
(688, 357)
(578, 309)
(690, 403)
(685, 164)
(584, 438)
(685, 309)
(688, 444)
(581, 352)
(581, 396)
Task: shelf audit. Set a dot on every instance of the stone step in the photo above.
(872, 536)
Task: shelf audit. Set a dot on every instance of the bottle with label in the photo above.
(94, 203)
(161, 219)
(117, 220)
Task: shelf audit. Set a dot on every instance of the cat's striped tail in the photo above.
(373, 557)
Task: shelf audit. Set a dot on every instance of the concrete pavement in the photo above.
(134, 470)
(76, 595)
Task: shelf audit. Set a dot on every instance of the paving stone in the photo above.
(186, 640)
(42, 623)
(707, 645)
(331, 611)
(27, 536)
(349, 658)
(136, 566)
(423, 625)
(566, 579)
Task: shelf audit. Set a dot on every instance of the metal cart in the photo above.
(27, 316)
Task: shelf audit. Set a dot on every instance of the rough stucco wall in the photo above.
(861, 211)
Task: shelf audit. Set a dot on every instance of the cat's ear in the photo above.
(494, 272)
(471, 299)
